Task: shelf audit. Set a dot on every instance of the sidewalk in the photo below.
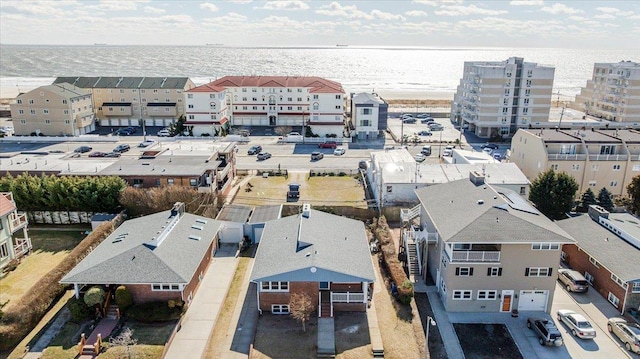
(447, 332)
(191, 339)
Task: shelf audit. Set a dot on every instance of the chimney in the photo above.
(178, 209)
(476, 178)
(306, 210)
(595, 212)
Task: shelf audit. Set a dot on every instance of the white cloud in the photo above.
(209, 6)
(604, 17)
(386, 15)
(426, 2)
(578, 18)
(350, 11)
(154, 10)
(285, 5)
(240, 1)
(460, 10)
(558, 8)
(416, 13)
(114, 5)
(607, 10)
(526, 2)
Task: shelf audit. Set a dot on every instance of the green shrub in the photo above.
(79, 309)
(94, 296)
(123, 298)
(154, 312)
(405, 292)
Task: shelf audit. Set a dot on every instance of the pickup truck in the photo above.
(294, 190)
(547, 332)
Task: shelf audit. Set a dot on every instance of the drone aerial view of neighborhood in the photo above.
(319, 179)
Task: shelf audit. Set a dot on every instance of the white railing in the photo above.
(608, 157)
(18, 221)
(22, 246)
(567, 157)
(407, 214)
(320, 306)
(475, 256)
(418, 258)
(406, 238)
(347, 297)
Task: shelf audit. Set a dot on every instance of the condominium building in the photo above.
(497, 98)
(12, 224)
(596, 159)
(613, 93)
(369, 114)
(53, 110)
(126, 101)
(307, 102)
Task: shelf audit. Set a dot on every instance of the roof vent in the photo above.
(195, 226)
(195, 238)
(480, 201)
(306, 210)
(200, 220)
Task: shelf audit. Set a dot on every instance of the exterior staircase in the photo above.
(412, 260)
(325, 310)
(113, 312)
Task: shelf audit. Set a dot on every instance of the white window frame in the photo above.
(495, 271)
(4, 250)
(462, 294)
(467, 271)
(594, 262)
(274, 286)
(619, 281)
(487, 294)
(545, 246)
(635, 288)
(538, 272)
(590, 278)
(613, 299)
(165, 287)
(280, 309)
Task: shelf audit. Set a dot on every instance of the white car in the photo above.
(164, 133)
(447, 153)
(628, 333)
(420, 157)
(339, 151)
(577, 323)
(147, 143)
(487, 151)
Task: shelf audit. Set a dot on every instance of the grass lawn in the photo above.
(49, 249)
(281, 336)
(485, 341)
(322, 190)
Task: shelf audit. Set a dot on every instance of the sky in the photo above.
(424, 23)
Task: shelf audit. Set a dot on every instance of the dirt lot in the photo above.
(486, 341)
(281, 336)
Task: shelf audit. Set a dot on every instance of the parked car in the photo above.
(253, 150)
(487, 151)
(339, 151)
(577, 323)
(263, 156)
(131, 129)
(315, 156)
(547, 332)
(447, 153)
(573, 280)
(420, 157)
(98, 154)
(328, 144)
(123, 147)
(436, 127)
(147, 143)
(113, 154)
(497, 156)
(406, 115)
(426, 150)
(83, 149)
(293, 134)
(409, 120)
(425, 133)
(628, 333)
(428, 120)
(164, 133)
(122, 132)
(492, 146)
(424, 115)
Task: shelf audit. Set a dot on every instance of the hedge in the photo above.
(21, 317)
(391, 263)
(155, 311)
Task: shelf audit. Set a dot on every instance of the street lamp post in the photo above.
(144, 129)
(430, 322)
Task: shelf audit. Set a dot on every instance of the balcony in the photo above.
(608, 157)
(475, 256)
(567, 157)
(22, 246)
(347, 297)
(17, 221)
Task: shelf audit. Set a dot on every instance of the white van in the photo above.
(426, 150)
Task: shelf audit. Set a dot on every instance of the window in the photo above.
(523, 190)
(338, 97)
(33, 112)
(190, 106)
(155, 90)
(527, 92)
(554, 167)
(170, 181)
(494, 271)
(636, 168)
(21, 112)
(636, 287)
(461, 246)
(545, 246)
(464, 271)
(594, 262)
(192, 117)
(366, 111)
(528, 83)
(193, 182)
(575, 167)
(4, 250)
(315, 97)
(529, 73)
(30, 102)
(589, 277)
(389, 189)
(165, 287)
(613, 299)
(279, 309)
(338, 107)
(462, 294)
(592, 183)
(19, 102)
(616, 167)
(619, 281)
(487, 294)
(613, 183)
(595, 167)
(47, 122)
(275, 286)
(538, 272)
(563, 256)
(189, 95)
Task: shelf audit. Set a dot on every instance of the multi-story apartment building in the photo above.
(606, 252)
(369, 114)
(12, 222)
(596, 159)
(127, 101)
(486, 248)
(53, 110)
(613, 93)
(497, 98)
(306, 102)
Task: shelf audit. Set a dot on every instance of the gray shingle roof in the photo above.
(124, 258)
(618, 256)
(263, 214)
(464, 212)
(321, 248)
(234, 213)
(126, 82)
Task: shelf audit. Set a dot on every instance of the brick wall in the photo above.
(268, 298)
(349, 307)
(602, 283)
(193, 284)
(142, 293)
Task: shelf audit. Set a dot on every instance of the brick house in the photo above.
(157, 257)
(320, 254)
(607, 253)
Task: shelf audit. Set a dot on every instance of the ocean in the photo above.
(393, 72)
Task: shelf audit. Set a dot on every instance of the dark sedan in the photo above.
(83, 149)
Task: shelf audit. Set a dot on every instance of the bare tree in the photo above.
(124, 341)
(283, 130)
(301, 308)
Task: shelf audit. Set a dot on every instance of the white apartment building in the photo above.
(613, 93)
(497, 98)
(306, 102)
(369, 114)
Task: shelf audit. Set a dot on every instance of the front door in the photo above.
(505, 305)
(272, 120)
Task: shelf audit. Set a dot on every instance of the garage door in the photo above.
(533, 300)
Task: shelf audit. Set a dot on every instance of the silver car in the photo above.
(578, 324)
(628, 333)
(573, 280)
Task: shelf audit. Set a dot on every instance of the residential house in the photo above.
(613, 93)
(307, 102)
(607, 253)
(246, 221)
(157, 257)
(12, 224)
(319, 254)
(498, 97)
(369, 113)
(54, 110)
(127, 101)
(486, 248)
(596, 158)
